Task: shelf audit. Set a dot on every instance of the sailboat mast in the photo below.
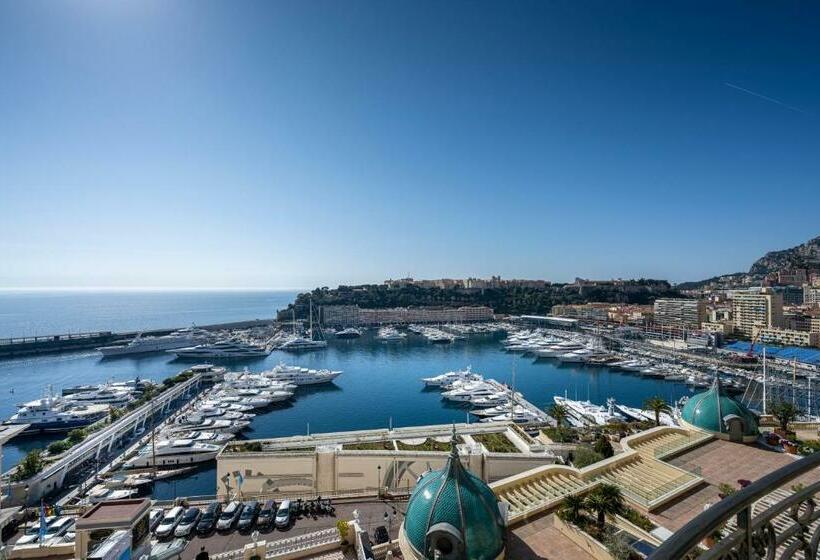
(764, 380)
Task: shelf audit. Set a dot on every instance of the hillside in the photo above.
(806, 255)
(513, 300)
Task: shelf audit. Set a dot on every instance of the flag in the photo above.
(239, 479)
(43, 526)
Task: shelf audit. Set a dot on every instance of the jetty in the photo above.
(71, 342)
(101, 443)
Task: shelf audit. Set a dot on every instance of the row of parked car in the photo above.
(183, 522)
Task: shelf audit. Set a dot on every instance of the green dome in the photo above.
(707, 410)
(452, 508)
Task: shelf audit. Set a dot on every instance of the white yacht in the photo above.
(519, 416)
(299, 375)
(350, 332)
(488, 401)
(451, 376)
(205, 437)
(300, 344)
(196, 423)
(390, 334)
(111, 396)
(145, 344)
(470, 391)
(226, 349)
(585, 411)
(174, 452)
(54, 414)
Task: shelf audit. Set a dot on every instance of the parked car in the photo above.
(266, 515)
(169, 522)
(248, 517)
(154, 517)
(189, 520)
(207, 522)
(283, 515)
(55, 527)
(229, 516)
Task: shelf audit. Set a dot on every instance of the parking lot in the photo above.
(371, 515)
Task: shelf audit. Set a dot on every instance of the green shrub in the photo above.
(604, 447)
(585, 456)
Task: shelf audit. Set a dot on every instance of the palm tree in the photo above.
(657, 404)
(572, 506)
(786, 413)
(559, 412)
(604, 500)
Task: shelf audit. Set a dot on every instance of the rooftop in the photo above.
(113, 514)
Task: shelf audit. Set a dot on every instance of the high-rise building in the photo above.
(680, 312)
(757, 310)
(811, 295)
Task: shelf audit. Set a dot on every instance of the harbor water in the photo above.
(381, 383)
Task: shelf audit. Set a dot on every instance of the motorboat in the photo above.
(350, 332)
(390, 334)
(301, 344)
(206, 437)
(496, 399)
(53, 414)
(194, 423)
(590, 413)
(174, 452)
(226, 349)
(451, 376)
(299, 375)
(470, 391)
(146, 344)
(111, 396)
(519, 416)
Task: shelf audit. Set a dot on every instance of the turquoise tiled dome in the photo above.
(706, 410)
(462, 503)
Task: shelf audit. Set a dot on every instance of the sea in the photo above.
(381, 384)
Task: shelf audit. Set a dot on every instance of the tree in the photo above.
(603, 447)
(31, 464)
(585, 456)
(76, 436)
(604, 500)
(657, 404)
(572, 507)
(785, 413)
(559, 412)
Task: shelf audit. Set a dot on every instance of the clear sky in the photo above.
(293, 144)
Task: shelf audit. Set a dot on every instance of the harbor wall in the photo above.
(72, 342)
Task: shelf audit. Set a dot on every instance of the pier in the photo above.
(101, 443)
(71, 342)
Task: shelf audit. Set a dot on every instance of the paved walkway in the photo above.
(538, 539)
(719, 462)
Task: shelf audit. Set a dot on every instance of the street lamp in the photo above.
(379, 485)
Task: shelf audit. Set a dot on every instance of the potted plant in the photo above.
(344, 528)
(790, 447)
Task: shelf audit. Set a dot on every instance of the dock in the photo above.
(72, 342)
(102, 443)
(542, 416)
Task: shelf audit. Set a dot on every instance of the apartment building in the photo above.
(811, 295)
(757, 310)
(787, 337)
(680, 312)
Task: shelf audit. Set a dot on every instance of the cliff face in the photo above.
(806, 256)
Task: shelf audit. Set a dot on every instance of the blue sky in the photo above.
(292, 144)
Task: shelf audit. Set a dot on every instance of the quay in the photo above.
(70, 342)
(53, 477)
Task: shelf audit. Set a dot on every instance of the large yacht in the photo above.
(146, 344)
(225, 349)
(112, 396)
(451, 376)
(300, 344)
(197, 423)
(54, 414)
(469, 391)
(300, 375)
(390, 334)
(174, 452)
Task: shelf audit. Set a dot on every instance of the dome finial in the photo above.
(454, 444)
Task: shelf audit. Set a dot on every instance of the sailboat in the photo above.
(300, 343)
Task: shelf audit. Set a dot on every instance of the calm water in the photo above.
(29, 313)
(380, 380)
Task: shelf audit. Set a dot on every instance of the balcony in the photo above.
(774, 517)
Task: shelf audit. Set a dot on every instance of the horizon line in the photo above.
(146, 289)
